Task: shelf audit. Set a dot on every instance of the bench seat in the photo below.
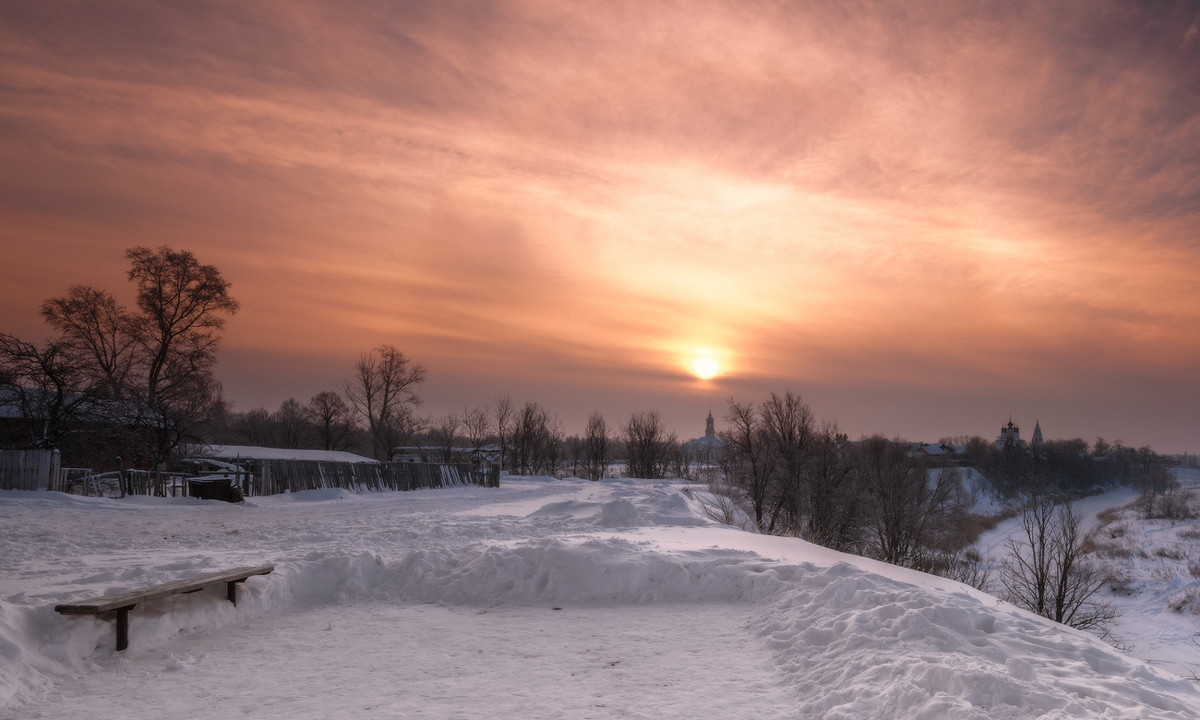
(123, 602)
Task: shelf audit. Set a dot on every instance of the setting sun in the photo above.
(705, 368)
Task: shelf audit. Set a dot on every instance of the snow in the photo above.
(254, 452)
(542, 598)
(1160, 565)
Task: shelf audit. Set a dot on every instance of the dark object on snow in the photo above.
(215, 489)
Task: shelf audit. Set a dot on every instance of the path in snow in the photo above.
(377, 660)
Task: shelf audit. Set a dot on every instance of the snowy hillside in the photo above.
(539, 599)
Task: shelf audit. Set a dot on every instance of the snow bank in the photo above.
(843, 636)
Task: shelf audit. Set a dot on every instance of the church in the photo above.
(1010, 434)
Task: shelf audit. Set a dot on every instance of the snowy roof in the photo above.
(251, 452)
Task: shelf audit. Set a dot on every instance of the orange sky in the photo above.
(921, 216)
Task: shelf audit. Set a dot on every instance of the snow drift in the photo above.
(810, 632)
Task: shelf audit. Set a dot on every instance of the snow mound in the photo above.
(853, 642)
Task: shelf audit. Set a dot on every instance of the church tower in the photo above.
(1037, 433)
(709, 430)
(1010, 434)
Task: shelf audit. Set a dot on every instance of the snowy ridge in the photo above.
(837, 636)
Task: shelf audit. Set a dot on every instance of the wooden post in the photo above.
(123, 627)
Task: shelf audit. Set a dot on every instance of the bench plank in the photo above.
(122, 603)
(175, 587)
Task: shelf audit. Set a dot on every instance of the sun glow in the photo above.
(705, 368)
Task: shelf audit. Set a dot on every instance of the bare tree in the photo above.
(443, 432)
(790, 426)
(908, 505)
(476, 428)
(536, 441)
(100, 331)
(149, 370)
(748, 461)
(48, 383)
(183, 308)
(596, 447)
(254, 427)
(290, 423)
(836, 507)
(504, 428)
(648, 445)
(1045, 571)
(382, 392)
(331, 420)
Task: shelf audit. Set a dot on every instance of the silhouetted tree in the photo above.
(748, 461)
(443, 432)
(381, 391)
(291, 424)
(331, 420)
(648, 444)
(790, 427)
(504, 428)
(597, 448)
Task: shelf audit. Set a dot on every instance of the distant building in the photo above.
(1010, 434)
(704, 449)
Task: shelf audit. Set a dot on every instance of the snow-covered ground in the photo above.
(1156, 570)
(539, 599)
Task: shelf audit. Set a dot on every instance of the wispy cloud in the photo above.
(927, 195)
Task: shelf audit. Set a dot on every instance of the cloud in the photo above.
(928, 194)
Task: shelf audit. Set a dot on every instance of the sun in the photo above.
(705, 368)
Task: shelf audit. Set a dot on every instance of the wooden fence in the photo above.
(39, 470)
(28, 469)
(271, 477)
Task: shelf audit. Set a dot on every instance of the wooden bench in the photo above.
(122, 603)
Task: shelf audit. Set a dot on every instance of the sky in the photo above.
(923, 217)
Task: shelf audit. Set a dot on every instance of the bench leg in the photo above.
(123, 627)
(231, 590)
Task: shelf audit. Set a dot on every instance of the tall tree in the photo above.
(183, 307)
(150, 370)
(382, 392)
